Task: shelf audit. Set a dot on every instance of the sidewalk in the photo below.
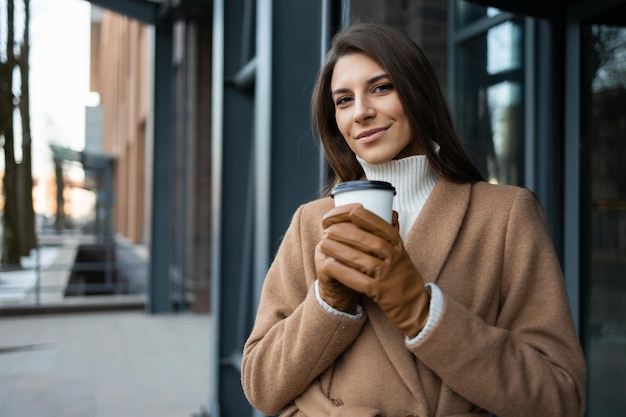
(112, 364)
(39, 287)
(97, 356)
(17, 286)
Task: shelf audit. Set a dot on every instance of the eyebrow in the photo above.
(370, 81)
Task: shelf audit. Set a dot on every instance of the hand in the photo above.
(366, 254)
(332, 291)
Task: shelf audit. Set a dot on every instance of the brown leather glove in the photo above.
(332, 291)
(366, 253)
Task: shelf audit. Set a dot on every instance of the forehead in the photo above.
(353, 69)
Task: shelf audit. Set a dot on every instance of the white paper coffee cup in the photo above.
(375, 196)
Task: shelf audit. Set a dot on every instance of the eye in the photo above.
(343, 101)
(383, 88)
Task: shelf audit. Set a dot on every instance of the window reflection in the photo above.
(505, 105)
(611, 58)
(503, 53)
(605, 57)
(489, 101)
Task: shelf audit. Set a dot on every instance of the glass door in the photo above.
(603, 179)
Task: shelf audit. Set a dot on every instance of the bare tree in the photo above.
(10, 233)
(28, 239)
(18, 218)
(609, 64)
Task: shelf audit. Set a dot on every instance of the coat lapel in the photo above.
(402, 359)
(429, 242)
(435, 230)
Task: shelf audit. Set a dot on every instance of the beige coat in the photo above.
(504, 344)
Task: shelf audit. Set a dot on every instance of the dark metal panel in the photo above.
(555, 9)
(146, 11)
(549, 92)
(530, 82)
(190, 7)
(536, 8)
(163, 172)
(236, 246)
(236, 205)
(572, 161)
(295, 155)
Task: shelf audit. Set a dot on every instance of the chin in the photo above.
(375, 160)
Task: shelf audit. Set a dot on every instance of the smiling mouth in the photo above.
(371, 135)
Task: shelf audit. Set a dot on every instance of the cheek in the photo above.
(398, 110)
(401, 117)
(340, 120)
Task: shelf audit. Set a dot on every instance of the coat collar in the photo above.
(435, 230)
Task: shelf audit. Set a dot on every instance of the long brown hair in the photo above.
(419, 92)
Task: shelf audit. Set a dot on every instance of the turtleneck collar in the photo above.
(413, 178)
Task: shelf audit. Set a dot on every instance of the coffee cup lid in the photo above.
(362, 185)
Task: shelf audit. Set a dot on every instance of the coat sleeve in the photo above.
(293, 339)
(529, 362)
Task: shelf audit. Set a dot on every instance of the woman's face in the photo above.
(368, 111)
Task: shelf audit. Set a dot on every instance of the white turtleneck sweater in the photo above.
(413, 179)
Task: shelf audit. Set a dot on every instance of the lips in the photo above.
(371, 135)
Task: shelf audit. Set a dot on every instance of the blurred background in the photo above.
(155, 150)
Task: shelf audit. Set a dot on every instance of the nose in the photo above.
(363, 109)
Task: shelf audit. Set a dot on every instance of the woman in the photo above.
(458, 308)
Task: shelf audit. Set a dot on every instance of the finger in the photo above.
(352, 235)
(350, 256)
(372, 223)
(338, 214)
(394, 219)
(321, 261)
(351, 278)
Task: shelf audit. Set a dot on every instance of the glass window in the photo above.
(468, 13)
(604, 123)
(504, 51)
(489, 101)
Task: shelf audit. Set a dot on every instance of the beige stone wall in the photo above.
(119, 73)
